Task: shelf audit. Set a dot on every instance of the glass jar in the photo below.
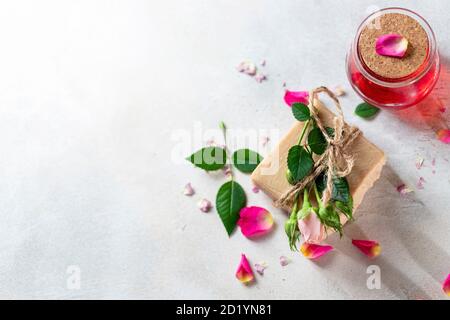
(394, 93)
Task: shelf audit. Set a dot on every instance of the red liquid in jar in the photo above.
(393, 93)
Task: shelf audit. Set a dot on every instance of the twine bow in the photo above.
(336, 161)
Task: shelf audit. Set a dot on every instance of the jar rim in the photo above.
(430, 59)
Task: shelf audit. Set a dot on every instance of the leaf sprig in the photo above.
(230, 197)
(300, 162)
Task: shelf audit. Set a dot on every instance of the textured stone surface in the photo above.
(93, 96)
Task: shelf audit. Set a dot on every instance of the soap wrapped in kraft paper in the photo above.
(270, 175)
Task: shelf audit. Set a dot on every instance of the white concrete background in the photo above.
(91, 96)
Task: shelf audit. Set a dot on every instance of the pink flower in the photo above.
(314, 251)
(254, 221)
(311, 229)
(370, 248)
(391, 45)
(446, 285)
(443, 135)
(244, 273)
(291, 97)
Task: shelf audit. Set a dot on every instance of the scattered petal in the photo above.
(311, 229)
(284, 261)
(420, 183)
(188, 190)
(254, 221)
(314, 251)
(284, 84)
(247, 67)
(419, 162)
(339, 91)
(370, 248)
(291, 97)
(260, 267)
(391, 45)
(446, 285)
(244, 273)
(403, 189)
(226, 170)
(211, 143)
(433, 162)
(264, 141)
(263, 63)
(204, 205)
(443, 135)
(255, 189)
(443, 109)
(260, 77)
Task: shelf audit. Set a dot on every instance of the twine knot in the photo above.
(337, 160)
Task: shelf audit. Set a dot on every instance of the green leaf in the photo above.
(299, 162)
(341, 190)
(330, 132)
(345, 208)
(301, 111)
(230, 199)
(321, 182)
(365, 110)
(330, 218)
(317, 141)
(209, 158)
(246, 160)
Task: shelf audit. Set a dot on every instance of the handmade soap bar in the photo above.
(270, 175)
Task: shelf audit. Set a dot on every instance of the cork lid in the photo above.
(389, 67)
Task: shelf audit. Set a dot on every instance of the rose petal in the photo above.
(244, 273)
(420, 183)
(419, 162)
(391, 45)
(265, 140)
(311, 229)
(284, 261)
(370, 248)
(254, 221)
(247, 67)
(263, 63)
(446, 285)
(291, 97)
(444, 135)
(260, 77)
(260, 267)
(339, 91)
(403, 189)
(314, 251)
(255, 189)
(188, 190)
(204, 205)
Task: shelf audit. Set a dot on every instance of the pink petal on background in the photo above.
(443, 135)
(419, 162)
(260, 77)
(370, 248)
(244, 273)
(420, 183)
(255, 189)
(260, 267)
(446, 285)
(314, 251)
(291, 97)
(311, 229)
(188, 190)
(254, 221)
(204, 205)
(247, 67)
(391, 45)
(403, 189)
(284, 261)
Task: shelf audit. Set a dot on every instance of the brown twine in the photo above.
(337, 159)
